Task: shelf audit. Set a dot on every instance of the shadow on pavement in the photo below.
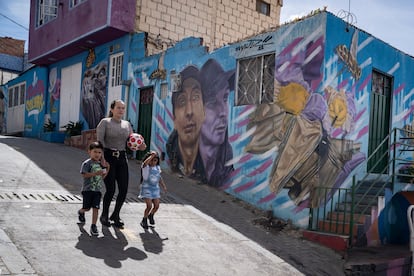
(152, 241)
(112, 249)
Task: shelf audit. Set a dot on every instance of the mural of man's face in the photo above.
(215, 124)
(189, 112)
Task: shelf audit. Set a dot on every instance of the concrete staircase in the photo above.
(334, 228)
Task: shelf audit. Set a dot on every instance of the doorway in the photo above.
(146, 97)
(379, 127)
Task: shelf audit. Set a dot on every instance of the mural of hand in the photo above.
(293, 97)
(338, 111)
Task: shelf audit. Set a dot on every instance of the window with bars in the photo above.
(74, 3)
(116, 70)
(16, 95)
(255, 83)
(381, 83)
(46, 11)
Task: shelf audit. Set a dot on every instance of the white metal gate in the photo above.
(15, 108)
(115, 79)
(70, 94)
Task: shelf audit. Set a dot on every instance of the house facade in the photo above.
(268, 119)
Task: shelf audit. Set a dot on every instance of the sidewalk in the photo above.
(199, 231)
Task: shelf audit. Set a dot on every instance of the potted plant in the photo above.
(73, 132)
(49, 126)
(50, 134)
(73, 128)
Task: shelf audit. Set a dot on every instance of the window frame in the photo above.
(43, 17)
(116, 64)
(75, 3)
(263, 7)
(16, 94)
(257, 93)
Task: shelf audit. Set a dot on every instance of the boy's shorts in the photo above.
(91, 199)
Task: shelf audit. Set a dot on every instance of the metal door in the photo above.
(70, 91)
(379, 126)
(146, 97)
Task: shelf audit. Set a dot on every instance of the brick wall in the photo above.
(218, 22)
(11, 46)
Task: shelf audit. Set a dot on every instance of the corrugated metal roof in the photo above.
(11, 63)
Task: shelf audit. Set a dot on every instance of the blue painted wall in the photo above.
(328, 130)
(270, 155)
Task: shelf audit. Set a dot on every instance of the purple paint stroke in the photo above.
(262, 168)
(162, 122)
(362, 132)
(342, 84)
(134, 107)
(244, 187)
(359, 115)
(159, 138)
(234, 137)
(405, 117)
(399, 89)
(247, 108)
(230, 176)
(364, 83)
(170, 115)
(302, 205)
(290, 47)
(243, 123)
(337, 132)
(267, 198)
(246, 158)
(315, 83)
(140, 82)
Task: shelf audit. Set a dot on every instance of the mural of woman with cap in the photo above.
(215, 149)
(188, 116)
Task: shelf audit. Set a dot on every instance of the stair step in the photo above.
(338, 228)
(333, 241)
(360, 209)
(346, 217)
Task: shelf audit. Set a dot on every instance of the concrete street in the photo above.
(199, 230)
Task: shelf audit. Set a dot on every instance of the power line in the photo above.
(14, 22)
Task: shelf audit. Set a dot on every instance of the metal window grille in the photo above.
(74, 3)
(255, 83)
(47, 10)
(22, 93)
(116, 70)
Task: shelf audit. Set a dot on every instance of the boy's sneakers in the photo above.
(151, 219)
(94, 230)
(81, 217)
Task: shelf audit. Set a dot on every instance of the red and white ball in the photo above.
(135, 140)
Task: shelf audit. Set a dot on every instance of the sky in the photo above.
(390, 21)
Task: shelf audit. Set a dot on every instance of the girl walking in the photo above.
(150, 186)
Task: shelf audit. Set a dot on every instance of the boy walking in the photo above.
(93, 173)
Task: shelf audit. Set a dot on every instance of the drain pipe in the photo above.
(410, 218)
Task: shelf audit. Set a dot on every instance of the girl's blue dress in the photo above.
(150, 185)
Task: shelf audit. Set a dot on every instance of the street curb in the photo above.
(12, 262)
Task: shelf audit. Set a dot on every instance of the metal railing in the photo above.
(342, 210)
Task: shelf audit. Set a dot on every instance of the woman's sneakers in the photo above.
(104, 221)
(117, 221)
(151, 219)
(144, 223)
